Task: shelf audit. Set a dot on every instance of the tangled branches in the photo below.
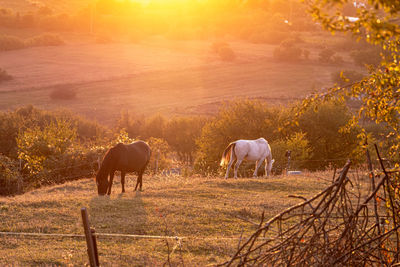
(333, 228)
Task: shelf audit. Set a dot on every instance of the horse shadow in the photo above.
(123, 213)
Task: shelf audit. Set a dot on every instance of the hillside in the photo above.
(57, 6)
(155, 76)
(206, 210)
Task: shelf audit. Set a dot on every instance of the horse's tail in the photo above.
(226, 156)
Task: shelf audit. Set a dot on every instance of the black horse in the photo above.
(125, 158)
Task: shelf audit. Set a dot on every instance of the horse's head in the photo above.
(102, 183)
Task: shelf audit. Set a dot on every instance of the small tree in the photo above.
(159, 159)
(36, 146)
(4, 76)
(326, 55)
(10, 177)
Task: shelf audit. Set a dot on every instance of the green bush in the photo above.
(326, 55)
(324, 126)
(160, 158)
(14, 122)
(53, 155)
(8, 42)
(224, 51)
(11, 181)
(4, 76)
(181, 135)
(46, 39)
(290, 53)
(226, 54)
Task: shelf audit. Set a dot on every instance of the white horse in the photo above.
(251, 150)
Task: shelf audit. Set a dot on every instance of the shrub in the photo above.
(12, 123)
(52, 155)
(325, 55)
(63, 94)
(11, 181)
(4, 76)
(224, 51)
(181, 135)
(324, 126)
(45, 40)
(337, 59)
(131, 124)
(154, 127)
(288, 53)
(226, 54)
(160, 150)
(301, 152)
(8, 42)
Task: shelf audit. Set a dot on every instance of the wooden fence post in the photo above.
(96, 254)
(90, 239)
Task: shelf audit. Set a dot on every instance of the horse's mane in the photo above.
(105, 164)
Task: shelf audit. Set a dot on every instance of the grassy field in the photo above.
(206, 210)
(154, 76)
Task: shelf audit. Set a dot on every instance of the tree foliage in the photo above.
(378, 93)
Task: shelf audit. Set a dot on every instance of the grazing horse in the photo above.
(125, 158)
(251, 150)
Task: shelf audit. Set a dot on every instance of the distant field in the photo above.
(154, 76)
(206, 210)
(63, 6)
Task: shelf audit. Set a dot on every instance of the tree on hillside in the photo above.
(378, 93)
(181, 135)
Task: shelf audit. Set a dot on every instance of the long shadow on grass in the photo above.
(120, 213)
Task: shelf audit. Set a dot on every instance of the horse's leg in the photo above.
(229, 167)
(110, 182)
(123, 181)
(238, 162)
(137, 182)
(258, 164)
(266, 167)
(140, 179)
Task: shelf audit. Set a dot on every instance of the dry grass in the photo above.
(194, 207)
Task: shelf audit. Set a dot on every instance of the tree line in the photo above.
(44, 147)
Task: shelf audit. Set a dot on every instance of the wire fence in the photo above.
(176, 238)
(119, 235)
